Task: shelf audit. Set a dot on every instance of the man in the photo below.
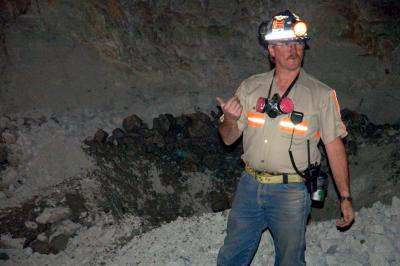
(282, 114)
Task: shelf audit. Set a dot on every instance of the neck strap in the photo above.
(287, 90)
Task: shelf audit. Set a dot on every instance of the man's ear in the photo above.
(271, 51)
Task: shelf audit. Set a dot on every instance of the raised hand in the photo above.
(232, 108)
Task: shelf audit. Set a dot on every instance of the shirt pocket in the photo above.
(307, 129)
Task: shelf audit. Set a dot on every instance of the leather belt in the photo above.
(266, 178)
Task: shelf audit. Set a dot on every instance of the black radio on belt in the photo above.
(316, 180)
(312, 171)
(311, 174)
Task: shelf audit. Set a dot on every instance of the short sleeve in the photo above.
(240, 93)
(331, 122)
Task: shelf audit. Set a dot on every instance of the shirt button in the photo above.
(265, 141)
(262, 161)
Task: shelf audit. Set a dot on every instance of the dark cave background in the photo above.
(160, 65)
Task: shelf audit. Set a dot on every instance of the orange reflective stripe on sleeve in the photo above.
(333, 94)
(255, 119)
(335, 100)
(286, 125)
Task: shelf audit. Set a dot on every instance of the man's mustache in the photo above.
(293, 57)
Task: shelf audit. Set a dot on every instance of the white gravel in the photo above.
(372, 240)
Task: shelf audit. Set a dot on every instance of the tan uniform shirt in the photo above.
(266, 140)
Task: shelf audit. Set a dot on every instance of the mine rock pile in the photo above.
(151, 172)
(177, 168)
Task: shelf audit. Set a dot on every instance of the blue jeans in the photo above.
(283, 208)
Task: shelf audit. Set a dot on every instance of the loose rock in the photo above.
(52, 215)
(8, 137)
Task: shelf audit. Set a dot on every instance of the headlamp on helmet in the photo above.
(300, 29)
(284, 27)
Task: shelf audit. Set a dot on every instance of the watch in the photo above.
(343, 198)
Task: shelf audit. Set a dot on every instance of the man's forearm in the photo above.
(339, 165)
(338, 161)
(229, 131)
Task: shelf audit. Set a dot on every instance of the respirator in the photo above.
(274, 106)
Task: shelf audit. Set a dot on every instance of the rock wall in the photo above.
(190, 49)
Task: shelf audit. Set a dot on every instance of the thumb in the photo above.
(220, 101)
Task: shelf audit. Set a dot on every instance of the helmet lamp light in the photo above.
(300, 29)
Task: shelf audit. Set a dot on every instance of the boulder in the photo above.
(58, 243)
(133, 124)
(163, 123)
(41, 247)
(8, 137)
(100, 136)
(52, 215)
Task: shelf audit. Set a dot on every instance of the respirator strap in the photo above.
(290, 86)
(287, 90)
(270, 86)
